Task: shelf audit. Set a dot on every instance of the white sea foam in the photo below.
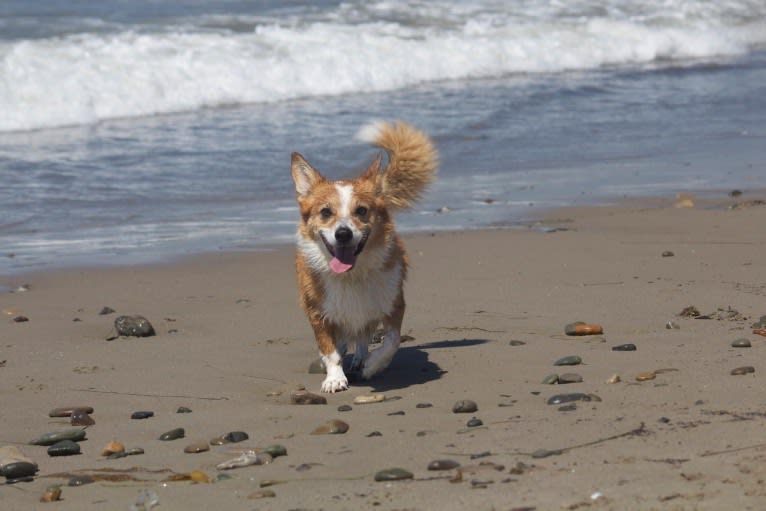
(91, 76)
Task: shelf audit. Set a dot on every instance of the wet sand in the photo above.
(232, 343)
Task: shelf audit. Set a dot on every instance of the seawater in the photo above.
(134, 131)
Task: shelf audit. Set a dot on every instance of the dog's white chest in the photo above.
(354, 301)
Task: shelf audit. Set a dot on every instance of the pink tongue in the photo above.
(343, 260)
(339, 266)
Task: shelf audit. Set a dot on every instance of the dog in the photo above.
(351, 264)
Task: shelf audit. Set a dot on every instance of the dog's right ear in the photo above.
(304, 175)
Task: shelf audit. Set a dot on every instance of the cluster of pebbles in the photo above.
(16, 467)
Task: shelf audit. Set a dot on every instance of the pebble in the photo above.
(345, 408)
(760, 331)
(67, 411)
(133, 326)
(443, 465)
(400, 412)
(559, 399)
(74, 435)
(742, 370)
(196, 447)
(64, 448)
(646, 375)
(81, 418)
(741, 343)
(615, 378)
(668, 253)
(106, 310)
(571, 360)
(51, 493)
(423, 405)
(236, 436)
(276, 450)
(334, 427)
(568, 408)
(146, 500)
(134, 451)
(373, 433)
(672, 325)
(371, 398)
(465, 406)
(116, 455)
(317, 367)
(199, 476)
(474, 422)
(624, 347)
(304, 397)
(570, 378)
(393, 474)
(143, 414)
(581, 328)
(517, 343)
(173, 434)
(113, 447)
(183, 409)
(551, 379)
(20, 319)
(18, 470)
(246, 459)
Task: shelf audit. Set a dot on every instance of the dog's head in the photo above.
(341, 217)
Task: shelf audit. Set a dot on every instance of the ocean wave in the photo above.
(87, 77)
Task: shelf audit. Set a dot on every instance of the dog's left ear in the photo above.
(304, 175)
(373, 171)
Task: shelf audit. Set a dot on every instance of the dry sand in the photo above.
(231, 343)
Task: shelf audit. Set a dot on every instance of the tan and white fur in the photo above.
(350, 262)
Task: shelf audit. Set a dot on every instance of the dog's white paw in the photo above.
(333, 385)
(335, 381)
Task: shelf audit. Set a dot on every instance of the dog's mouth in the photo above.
(344, 256)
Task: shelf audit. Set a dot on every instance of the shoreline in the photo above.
(539, 217)
(232, 343)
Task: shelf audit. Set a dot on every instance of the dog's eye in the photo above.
(361, 211)
(326, 212)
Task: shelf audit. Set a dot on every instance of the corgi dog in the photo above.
(350, 263)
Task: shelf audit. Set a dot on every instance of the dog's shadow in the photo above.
(411, 366)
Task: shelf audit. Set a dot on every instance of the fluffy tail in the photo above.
(412, 161)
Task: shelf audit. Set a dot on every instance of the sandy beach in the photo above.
(486, 318)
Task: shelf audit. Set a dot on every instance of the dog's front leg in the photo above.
(336, 380)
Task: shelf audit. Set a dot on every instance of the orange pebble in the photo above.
(113, 447)
(580, 328)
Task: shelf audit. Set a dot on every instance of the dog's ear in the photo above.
(374, 168)
(373, 173)
(304, 175)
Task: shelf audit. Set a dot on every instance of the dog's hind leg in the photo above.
(381, 357)
(361, 352)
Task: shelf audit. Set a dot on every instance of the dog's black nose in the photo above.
(343, 234)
